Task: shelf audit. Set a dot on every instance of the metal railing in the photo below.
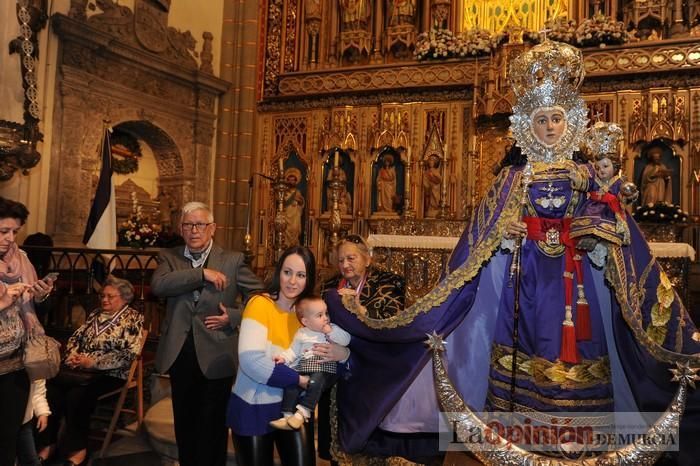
(76, 291)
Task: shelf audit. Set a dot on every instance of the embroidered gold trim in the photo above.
(546, 417)
(598, 230)
(552, 401)
(616, 275)
(544, 373)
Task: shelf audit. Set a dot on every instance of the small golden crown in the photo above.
(550, 62)
(603, 139)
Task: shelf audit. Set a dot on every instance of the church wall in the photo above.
(32, 189)
(307, 139)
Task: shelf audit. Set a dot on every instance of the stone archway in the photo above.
(165, 100)
(172, 184)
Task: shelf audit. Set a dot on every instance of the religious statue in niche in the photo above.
(294, 203)
(386, 185)
(355, 14)
(656, 181)
(401, 12)
(344, 199)
(312, 9)
(387, 182)
(346, 170)
(432, 184)
(657, 173)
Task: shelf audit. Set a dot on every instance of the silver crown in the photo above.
(554, 62)
(603, 140)
(545, 77)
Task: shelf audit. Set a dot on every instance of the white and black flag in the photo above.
(101, 228)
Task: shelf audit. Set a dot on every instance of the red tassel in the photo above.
(583, 322)
(569, 353)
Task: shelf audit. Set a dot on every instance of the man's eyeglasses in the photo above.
(191, 226)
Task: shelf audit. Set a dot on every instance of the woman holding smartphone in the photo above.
(19, 289)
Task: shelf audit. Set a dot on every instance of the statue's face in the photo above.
(548, 124)
(655, 154)
(604, 168)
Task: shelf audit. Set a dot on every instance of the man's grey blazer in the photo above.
(176, 280)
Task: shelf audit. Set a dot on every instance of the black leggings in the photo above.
(14, 391)
(295, 447)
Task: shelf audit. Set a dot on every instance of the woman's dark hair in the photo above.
(515, 157)
(309, 262)
(12, 209)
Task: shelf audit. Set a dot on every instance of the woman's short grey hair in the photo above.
(124, 287)
(359, 242)
(192, 206)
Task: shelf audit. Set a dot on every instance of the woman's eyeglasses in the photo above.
(109, 296)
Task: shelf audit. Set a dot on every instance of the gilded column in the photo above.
(378, 29)
(235, 147)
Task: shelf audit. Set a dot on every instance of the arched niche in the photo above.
(346, 173)
(295, 172)
(169, 179)
(667, 158)
(388, 178)
(106, 75)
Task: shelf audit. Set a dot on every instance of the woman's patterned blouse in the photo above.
(112, 340)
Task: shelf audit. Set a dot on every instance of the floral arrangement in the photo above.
(443, 43)
(600, 30)
(660, 212)
(559, 29)
(136, 232)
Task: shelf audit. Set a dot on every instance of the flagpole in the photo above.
(101, 228)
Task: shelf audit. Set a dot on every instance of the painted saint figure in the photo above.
(401, 12)
(293, 207)
(386, 185)
(432, 182)
(344, 199)
(656, 179)
(355, 14)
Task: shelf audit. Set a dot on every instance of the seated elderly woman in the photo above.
(97, 360)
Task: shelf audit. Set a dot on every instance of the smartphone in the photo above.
(50, 277)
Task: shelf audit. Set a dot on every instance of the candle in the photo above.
(281, 162)
(336, 160)
(408, 156)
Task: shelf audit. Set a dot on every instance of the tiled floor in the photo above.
(136, 451)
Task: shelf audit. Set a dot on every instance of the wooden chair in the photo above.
(134, 380)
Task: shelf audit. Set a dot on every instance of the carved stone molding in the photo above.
(376, 98)
(643, 58)
(434, 75)
(623, 62)
(167, 104)
(425, 227)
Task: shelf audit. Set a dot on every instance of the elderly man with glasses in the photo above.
(199, 337)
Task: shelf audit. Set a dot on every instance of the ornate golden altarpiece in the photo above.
(317, 99)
